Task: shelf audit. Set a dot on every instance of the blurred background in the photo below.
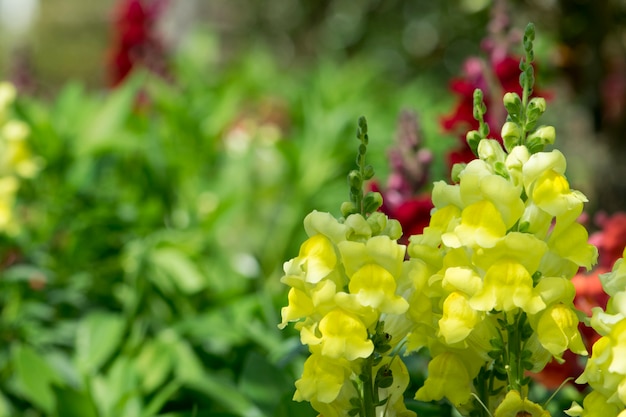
(173, 148)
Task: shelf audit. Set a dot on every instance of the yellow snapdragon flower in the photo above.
(347, 285)
(16, 159)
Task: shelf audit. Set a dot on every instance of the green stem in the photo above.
(516, 370)
(482, 388)
(368, 405)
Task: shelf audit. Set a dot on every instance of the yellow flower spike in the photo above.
(557, 329)
(318, 222)
(343, 335)
(514, 406)
(507, 286)
(373, 286)
(481, 225)
(447, 377)
(322, 379)
(458, 320)
(380, 250)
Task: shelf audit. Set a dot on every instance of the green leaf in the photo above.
(109, 120)
(98, 335)
(118, 393)
(263, 382)
(183, 272)
(191, 372)
(35, 377)
(5, 407)
(161, 398)
(154, 364)
(73, 403)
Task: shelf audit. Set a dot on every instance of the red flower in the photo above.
(135, 41)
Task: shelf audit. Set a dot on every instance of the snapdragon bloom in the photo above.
(347, 285)
(500, 252)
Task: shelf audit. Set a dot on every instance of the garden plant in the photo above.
(485, 291)
(145, 220)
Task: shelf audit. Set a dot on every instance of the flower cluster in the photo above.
(346, 286)
(16, 160)
(494, 267)
(605, 371)
(346, 295)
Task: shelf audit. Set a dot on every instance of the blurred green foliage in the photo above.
(145, 279)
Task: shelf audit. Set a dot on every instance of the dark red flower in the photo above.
(135, 39)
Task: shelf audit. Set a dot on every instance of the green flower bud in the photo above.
(393, 229)
(473, 137)
(511, 135)
(512, 104)
(372, 201)
(368, 172)
(456, 172)
(544, 135)
(537, 104)
(348, 208)
(354, 179)
(378, 222)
